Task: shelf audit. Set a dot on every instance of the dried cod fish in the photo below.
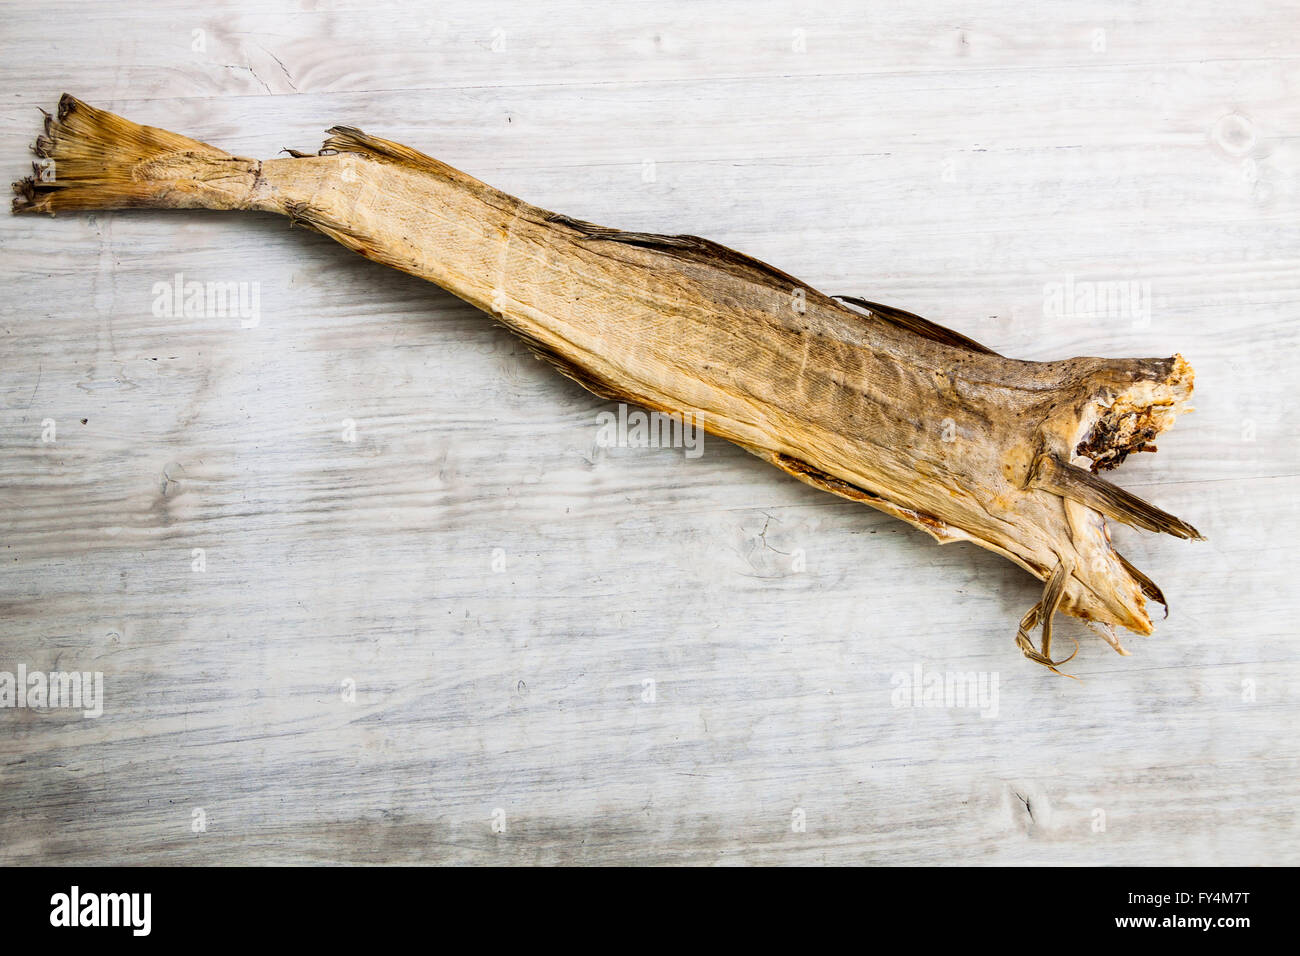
(862, 400)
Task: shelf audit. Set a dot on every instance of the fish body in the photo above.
(865, 401)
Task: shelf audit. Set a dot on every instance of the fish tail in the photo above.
(88, 158)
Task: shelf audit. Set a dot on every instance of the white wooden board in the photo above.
(498, 589)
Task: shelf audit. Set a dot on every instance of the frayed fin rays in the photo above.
(862, 400)
(1042, 613)
(1077, 484)
(1148, 586)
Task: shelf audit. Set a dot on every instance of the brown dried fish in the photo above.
(865, 401)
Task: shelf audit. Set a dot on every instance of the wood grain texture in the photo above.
(969, 157)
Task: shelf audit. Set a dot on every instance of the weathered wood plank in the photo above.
(498, 587)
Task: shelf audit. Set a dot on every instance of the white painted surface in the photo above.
(953, 161)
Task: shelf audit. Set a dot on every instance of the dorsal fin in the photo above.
(914, 323)
(697, 249)
(349, 139)
(706, 251)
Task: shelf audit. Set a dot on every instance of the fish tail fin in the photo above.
(89, 158)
